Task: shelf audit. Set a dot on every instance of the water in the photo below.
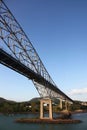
(7, 123)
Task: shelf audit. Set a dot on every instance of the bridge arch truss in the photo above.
(16, 47)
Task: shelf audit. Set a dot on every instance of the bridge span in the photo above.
(16, 65)
(19, 54)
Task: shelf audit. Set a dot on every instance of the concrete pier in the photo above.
(49, 102)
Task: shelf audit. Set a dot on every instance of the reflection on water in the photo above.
(7, 123)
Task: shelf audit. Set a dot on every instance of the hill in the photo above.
(2, 100)
(5, 100)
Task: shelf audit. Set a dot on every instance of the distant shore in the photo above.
(79, 111)
(72, 112)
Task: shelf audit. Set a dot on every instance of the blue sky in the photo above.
(58, 31)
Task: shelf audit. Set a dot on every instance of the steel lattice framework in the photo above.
(15, 42)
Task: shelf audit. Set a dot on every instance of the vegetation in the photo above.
(34, 106)
(18, 107)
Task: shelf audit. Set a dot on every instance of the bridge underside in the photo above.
(44, 87)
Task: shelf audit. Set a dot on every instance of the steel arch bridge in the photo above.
(18, 53)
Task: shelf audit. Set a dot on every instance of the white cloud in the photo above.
(79, 91)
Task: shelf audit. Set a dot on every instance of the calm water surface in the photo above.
(7, 123)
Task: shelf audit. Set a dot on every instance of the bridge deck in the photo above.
(9, 61)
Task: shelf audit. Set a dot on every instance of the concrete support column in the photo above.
(50, 109)
(42, 102)
(41, 109)
(61, 104)
(66, 105)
